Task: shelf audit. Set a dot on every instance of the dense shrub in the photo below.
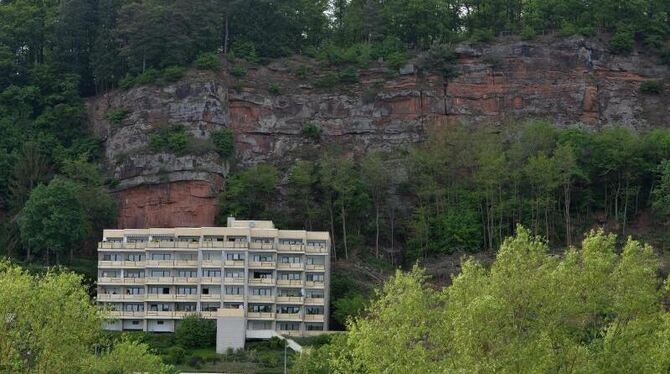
(196, 332)
(224, 142)
(245, 50)
(171, 139)
(147, 77)
(327, 81)
(274, 88)
(439, 58)
(116, 116)
(208, 61)
(238, 71)
(482, 35)
(349, 75)
(651, 87)
(312, 131)
(173, 73)
(622, 42)
(175, 355)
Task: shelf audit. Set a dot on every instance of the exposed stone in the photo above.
(565, 81)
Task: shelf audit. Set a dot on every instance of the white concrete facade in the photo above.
(149, 279)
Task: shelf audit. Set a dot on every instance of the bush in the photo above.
(224, 142)
(195, 361)
(196, 332)
(238, 71)
(651, 87)
(359, 54)
(665, 55)
(588, 31)
(622, 42)
(208, 61)
(527, 33)
(175, 355)
(149, 76)
(116, 116)
(245, 49)
(327, 81)
(312, 131)
(440, 58)
(268, 359)
(568, 29)
(173, 139)
(173, 73)
(301, 72)
(482, 35)
(127, 82)
(274, 88)
(349, 75)
(396, 59)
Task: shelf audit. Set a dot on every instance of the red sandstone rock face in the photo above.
(564, 81)
(176, 204)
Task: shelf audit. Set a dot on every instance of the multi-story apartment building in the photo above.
(151, 278)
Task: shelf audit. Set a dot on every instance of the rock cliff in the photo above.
(564, 81)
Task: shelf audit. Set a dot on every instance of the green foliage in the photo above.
(302, 71)
(52, 321)
(208, 61)
(249, 193)
(175, 355)
(349, 75)
(170, 139)
(528, 33)
(238, 71)
(49, 209)
(274, 88)
(348, 306)
(482, 35)
(245, 50)
(224, 141)
(327, 81)
(622, 42)
(439, 58)
(597, 308)
(148, 76)
(651, 87)
(173, 73)
(312, 131)
(195, 332)
(116, 116)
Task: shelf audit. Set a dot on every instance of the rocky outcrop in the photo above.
(564, 81)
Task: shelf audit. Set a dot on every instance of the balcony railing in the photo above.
(261, 281)
(262, 265)
(314, 317)
(159, 280)
(290, 266)
(261, 315)
(160, 297)
(314, 300)
(236, 244)
(159, 263)
(314, 284)
(119, 245)
(114, 297)
(292, 333)
(210, 280)
(110, 280)
(290, 248)
(234, 263)
(289, 316)
(212, 244)
(261, 298)
(208, 314)
(233, 280)
(213, 263)
(162, 313)
(289, 282)
(186, 280)
(261, 245)
(186, 297)
(317, 267)
(122, 313)
(233, 298)
(290, 299)
(316, 249)
(186, 263)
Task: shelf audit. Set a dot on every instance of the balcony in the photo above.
(126, 314)
(186, 263)
(135, 280)
(314, 300)
(261, 298)
(186, 297)
(290, 266)
(208, 314)
(317, 267)
(110, 280)
(314, 317)
(233, 280)
(314, 284)
(291, 333)
(289, 282)
(159, 280)
(159, 263)
(262, 281)
(261, 315)
(314, 332)
(262, 265)
(213, 263)
(233, 298)
(118, 245)
(234, 263)
(110, 264)
(212, 244)
(289, 317)
(162, 244)
(160, 297)
(162, 313)
(315, 249)
(210, 280)
(261, 245)
(289, 299)
(119, 297)
(236, 244)
(290, 248)
(186, 280)
(211, 297)
(184, 313)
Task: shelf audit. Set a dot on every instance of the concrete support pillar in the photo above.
(231, 328)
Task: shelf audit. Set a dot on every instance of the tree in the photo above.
(250, 193)
(49, 325)
(53, 219)
(196, 332)
(377, 181)
(594, 310)
(302, 183)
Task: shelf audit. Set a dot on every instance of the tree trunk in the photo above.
(377, 231)
(344, 232)
(566, 204)
(225, 35)
(332, 229)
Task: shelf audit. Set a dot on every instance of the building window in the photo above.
(263, 258)
(187, 290)
(188, 273)
(288, 309)
(289, 276)
(260, 308)
(161, 256)
(234, 256)
(135, 323)
(311, 277)
(160, 273)
(261, 291)
(211, 273)
(159, 322)
(234, 274)
(234, 290)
